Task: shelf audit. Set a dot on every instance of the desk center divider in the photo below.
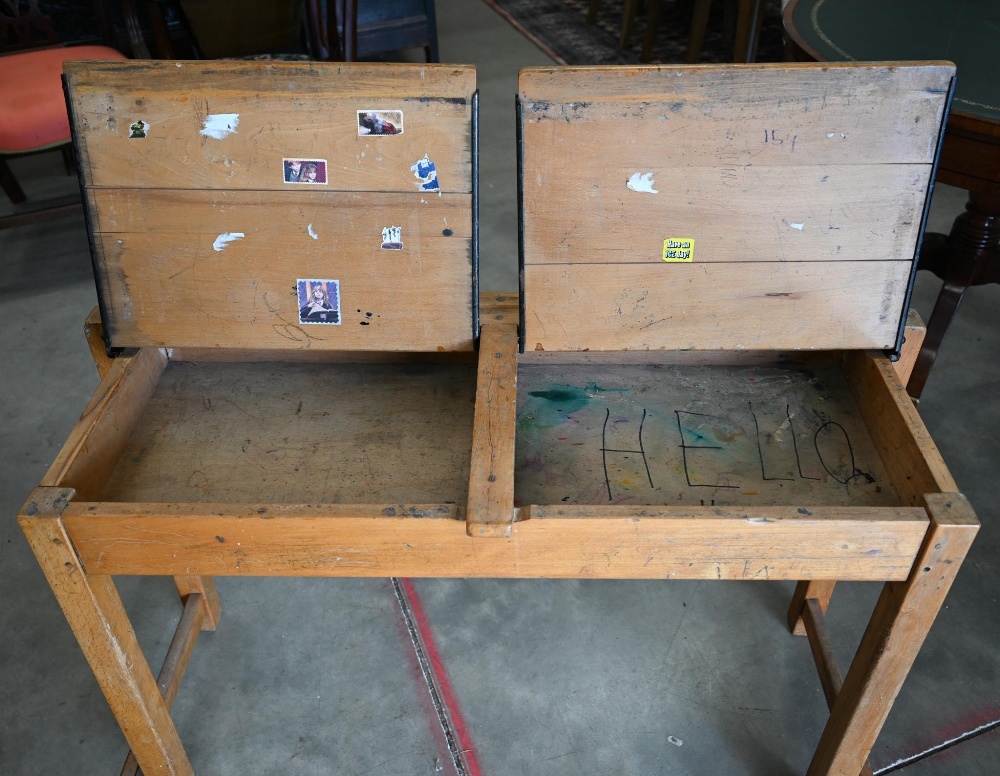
(286, 259)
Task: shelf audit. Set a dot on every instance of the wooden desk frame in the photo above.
(78, 544)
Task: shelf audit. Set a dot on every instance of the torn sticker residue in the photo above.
(642, 182)
(678, 249)
(392, 238)
(800, 227)
(220, 125)
(225, 238)
(138, 129)
(312, 232)
(426, 172)
(380, 122)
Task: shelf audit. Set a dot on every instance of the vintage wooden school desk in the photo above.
(732, 416)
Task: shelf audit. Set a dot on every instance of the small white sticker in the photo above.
(392, 238)
(642, 182)
(220, 125)
(312, 232)
(800, 227)
(225, 238)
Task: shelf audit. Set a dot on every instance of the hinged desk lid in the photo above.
(279, 206)
(724, 207)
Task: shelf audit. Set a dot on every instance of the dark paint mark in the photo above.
(447, 232)
(804, 511)
(220, 540)
(364, 323)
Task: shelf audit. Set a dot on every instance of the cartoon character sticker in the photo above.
(138, 129)
(319, 301)
(392, 238)
(308, 171)
(380, 122)
(425, 171)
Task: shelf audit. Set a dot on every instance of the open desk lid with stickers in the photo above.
(280, 206)
(724, 207)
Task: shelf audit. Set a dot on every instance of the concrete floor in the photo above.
(541, 677)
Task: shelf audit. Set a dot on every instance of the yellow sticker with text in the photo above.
(678, 249)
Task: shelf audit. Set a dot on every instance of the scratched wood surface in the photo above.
(714, 306)
(200, 242)
(301, 433)
(691, 435)
(824, 169)
(286, 110)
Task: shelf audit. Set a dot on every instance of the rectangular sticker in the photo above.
(319, 301)
(380, 122)
(308, 171)
(678, 249)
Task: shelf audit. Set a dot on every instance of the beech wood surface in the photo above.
(98, 619)
(490, 509)
(96, 442)
(725, 306)
(200, 241)
(286, 111)
(619, 542)
(802, 188)
(905, 446)
(899, 624)
(294, 433)
(818, 590)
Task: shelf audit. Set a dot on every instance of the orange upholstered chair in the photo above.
(32, 107)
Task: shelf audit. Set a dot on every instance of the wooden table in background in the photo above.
(966, 32)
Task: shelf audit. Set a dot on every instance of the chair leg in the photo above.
(628, 16)
(652, 27)
(899, 624)
(10, 185)
(102, 628)
(748, 22)
(592, 11)
(699, 24)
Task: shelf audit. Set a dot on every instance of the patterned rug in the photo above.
(559, 27)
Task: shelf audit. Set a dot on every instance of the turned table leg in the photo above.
(967, 257)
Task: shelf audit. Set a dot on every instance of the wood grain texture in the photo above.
(912, 460)
(93, 447)
(818, 590)
(490, 506)
(717, 115)
(902, 617)
(285, 111)
(733, 214)
(728, 435)
(199, 240)
(93, 331)
(102, 628)
(795, 305)
(208, 598)
(804, 164)
(557, 542)
(319, 433)
(913, 340)
(168, 284)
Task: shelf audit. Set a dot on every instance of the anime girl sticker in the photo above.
(319, 301)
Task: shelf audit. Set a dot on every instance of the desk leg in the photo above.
(962, 259)
(902, 617)
(102, 628)
(205, 586)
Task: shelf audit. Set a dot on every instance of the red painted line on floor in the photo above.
(440, 677)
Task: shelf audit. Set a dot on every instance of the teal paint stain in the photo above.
(555, 405)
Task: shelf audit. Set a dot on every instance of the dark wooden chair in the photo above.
(32, 107)
(347, 30)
